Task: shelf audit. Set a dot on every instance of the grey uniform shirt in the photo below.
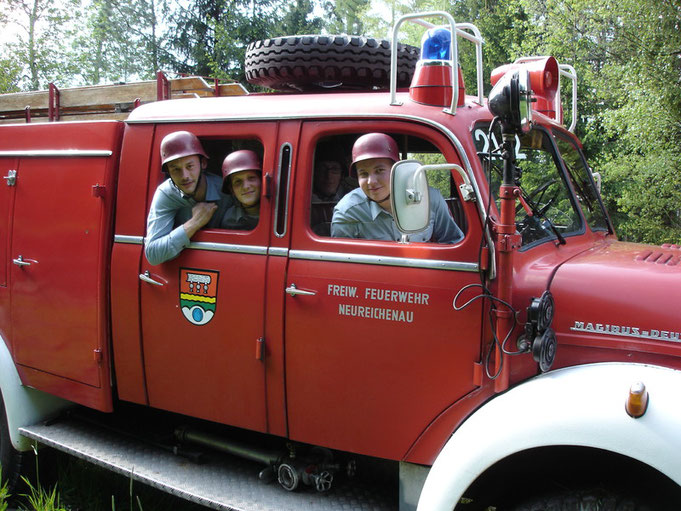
(235, 217)
(355, 216)
(170, 209)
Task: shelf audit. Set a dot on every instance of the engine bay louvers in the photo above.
(667, 257)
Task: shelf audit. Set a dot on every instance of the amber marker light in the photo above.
(637, 402)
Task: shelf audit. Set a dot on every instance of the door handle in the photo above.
(21, 262)
(147, 278)
(293, 291)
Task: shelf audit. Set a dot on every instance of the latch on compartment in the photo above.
(11, 178)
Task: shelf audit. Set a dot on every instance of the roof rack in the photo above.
(107, 102)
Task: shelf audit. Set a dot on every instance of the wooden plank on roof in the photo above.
(190, 84)
(108, 94)
(17, 101)
(232, 89)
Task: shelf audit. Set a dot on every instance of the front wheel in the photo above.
(10, 458)
(584, 500)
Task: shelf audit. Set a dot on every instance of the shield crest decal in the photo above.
(198, 294)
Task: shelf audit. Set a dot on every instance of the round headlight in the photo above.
(511, 100)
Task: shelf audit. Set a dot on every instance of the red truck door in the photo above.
(202, 319)
(61, 235)
(374, 349)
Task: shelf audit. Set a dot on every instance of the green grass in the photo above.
(64, 483)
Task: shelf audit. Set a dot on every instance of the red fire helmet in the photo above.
(373, 145)
(180, 144)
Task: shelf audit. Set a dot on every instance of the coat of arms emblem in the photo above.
(198, 294)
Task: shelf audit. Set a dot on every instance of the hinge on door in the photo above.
(477, 374)
(11, 178)
(98, 190)
(260, 348)
(98, 355)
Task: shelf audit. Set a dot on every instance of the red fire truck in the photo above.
(536, 361)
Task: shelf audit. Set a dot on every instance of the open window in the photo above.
(332, 179)
(243, 183)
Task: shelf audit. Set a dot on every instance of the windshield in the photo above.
(555, 215)
(580, 176)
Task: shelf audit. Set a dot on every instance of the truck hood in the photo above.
(620, 293)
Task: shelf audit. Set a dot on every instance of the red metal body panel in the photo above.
(59, 303)
(125, 264)
(595, 307)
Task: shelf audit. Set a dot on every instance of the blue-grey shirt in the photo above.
(355, 216)
(166, 237)
(235, 217)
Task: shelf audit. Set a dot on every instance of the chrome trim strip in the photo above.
(228, 247)
(278, 251)
(338, 257)
(62, 153)
(130, 240)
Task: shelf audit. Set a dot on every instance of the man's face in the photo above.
(374, 177)
(186, 173)
(328, 177)
(246, 187)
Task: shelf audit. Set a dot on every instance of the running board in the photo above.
(225, 483)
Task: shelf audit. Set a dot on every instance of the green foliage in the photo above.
(41, 499)
(40, 45)
(4, 494)
(10, 73)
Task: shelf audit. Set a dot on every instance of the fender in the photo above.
(578, 406)
(23, 406)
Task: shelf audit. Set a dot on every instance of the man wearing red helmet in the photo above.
(242, 177)
(189, 200)
(366, 211)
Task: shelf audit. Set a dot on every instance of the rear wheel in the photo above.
(315, 62)
(10, 458)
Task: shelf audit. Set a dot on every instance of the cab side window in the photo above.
(346, 191)
(238, 163)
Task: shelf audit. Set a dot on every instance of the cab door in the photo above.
(202, 312)
(374, 349)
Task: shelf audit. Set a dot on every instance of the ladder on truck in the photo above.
(107, 102)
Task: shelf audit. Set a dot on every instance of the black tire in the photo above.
(586, 500)
(10, 459)
(316, 62)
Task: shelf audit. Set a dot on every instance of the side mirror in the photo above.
(511, 101)
(409, 196)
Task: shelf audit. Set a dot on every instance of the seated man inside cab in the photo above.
(366, 213)
(328, 187)
(187, 201)
(242, 177)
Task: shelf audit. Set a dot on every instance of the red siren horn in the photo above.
(543, 81)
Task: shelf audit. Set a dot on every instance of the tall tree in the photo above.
(42, 43)
(122, 40)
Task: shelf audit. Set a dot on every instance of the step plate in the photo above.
(228, 483)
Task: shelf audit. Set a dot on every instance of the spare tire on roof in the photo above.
(314, 62)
